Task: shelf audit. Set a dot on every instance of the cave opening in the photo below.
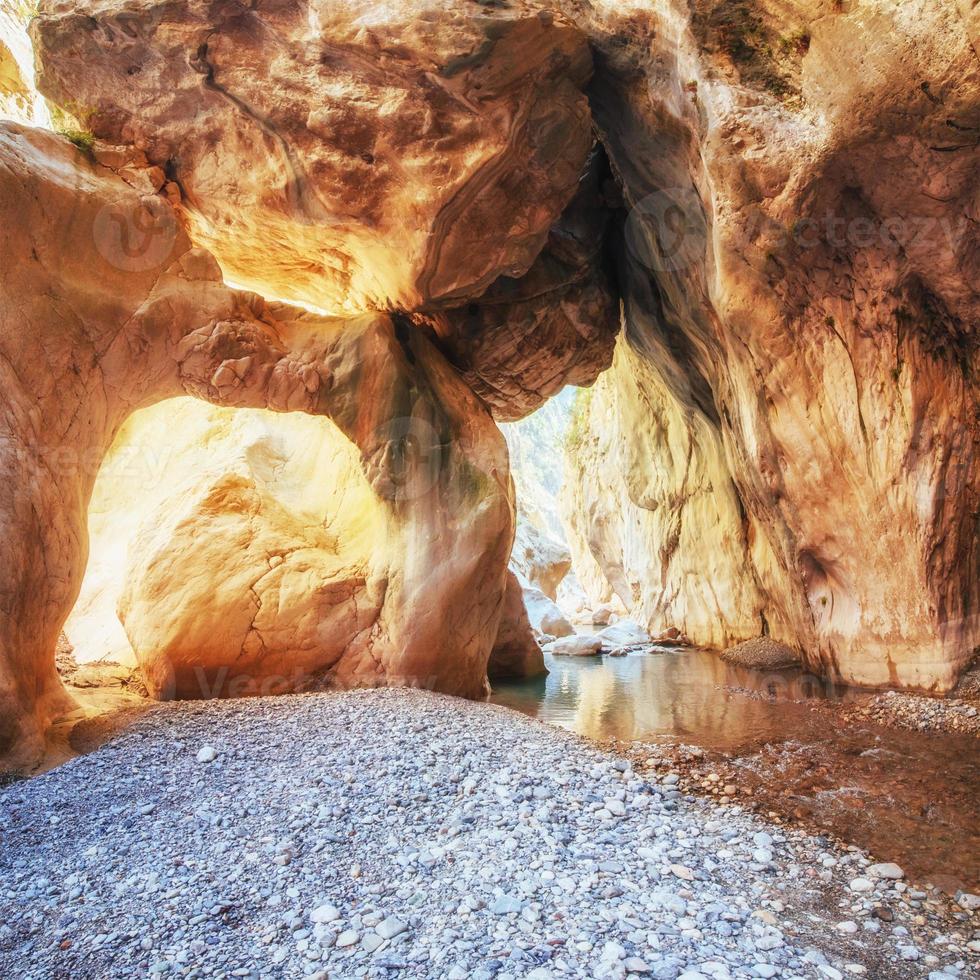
(216, 536)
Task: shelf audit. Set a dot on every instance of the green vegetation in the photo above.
(84, 139)
(71, 121)
(579, 421)
(737, 30)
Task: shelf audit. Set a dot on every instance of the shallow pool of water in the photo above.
(680, 694)
(907, 796)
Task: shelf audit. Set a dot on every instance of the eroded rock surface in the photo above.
(786, 445)
(107, 308)
(799, 281)
(545, 616)
(527, 338)
(516, 653)
(542, 561)
(366, 155)
(652, 514)
(19, 99)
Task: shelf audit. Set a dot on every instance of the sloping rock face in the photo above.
(105, 307)
(515, 653)
(15, 95)
(799, 279)
(652, 513)
(19, 99)
(541, 561)
(365, 155)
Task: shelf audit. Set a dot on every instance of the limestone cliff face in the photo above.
(19, 99)
(651, 510)
(516, 653)
(795, 422)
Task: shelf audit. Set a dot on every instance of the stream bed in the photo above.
(908, 797)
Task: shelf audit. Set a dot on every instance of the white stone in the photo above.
(575, 646)
(505, 905)
(967, 901)
(391, 927)
(887, 870)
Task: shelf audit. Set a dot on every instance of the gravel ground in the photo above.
(917, 713)
(404, 834)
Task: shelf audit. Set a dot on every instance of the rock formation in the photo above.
(106, 307)
(780, 210)
(374, 155)
(789, 443)
(19, 98)
(515, 653)
(654, 518)
(541, 561)
(545, 617)
(524, 339)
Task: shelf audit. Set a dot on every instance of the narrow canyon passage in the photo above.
(491, 489)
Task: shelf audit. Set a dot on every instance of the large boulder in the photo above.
(368, 155)
(575, 646)
(335, 588)
(624, 633)
(544, 615)
(540, 559)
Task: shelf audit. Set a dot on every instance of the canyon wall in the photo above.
(652, 513)
(375, 155)
(788, 440)
(351, 159)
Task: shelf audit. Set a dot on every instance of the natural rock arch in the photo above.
(92, 329)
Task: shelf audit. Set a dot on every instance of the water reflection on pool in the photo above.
(681, 694)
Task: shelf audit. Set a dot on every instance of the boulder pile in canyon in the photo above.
(763, 216)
